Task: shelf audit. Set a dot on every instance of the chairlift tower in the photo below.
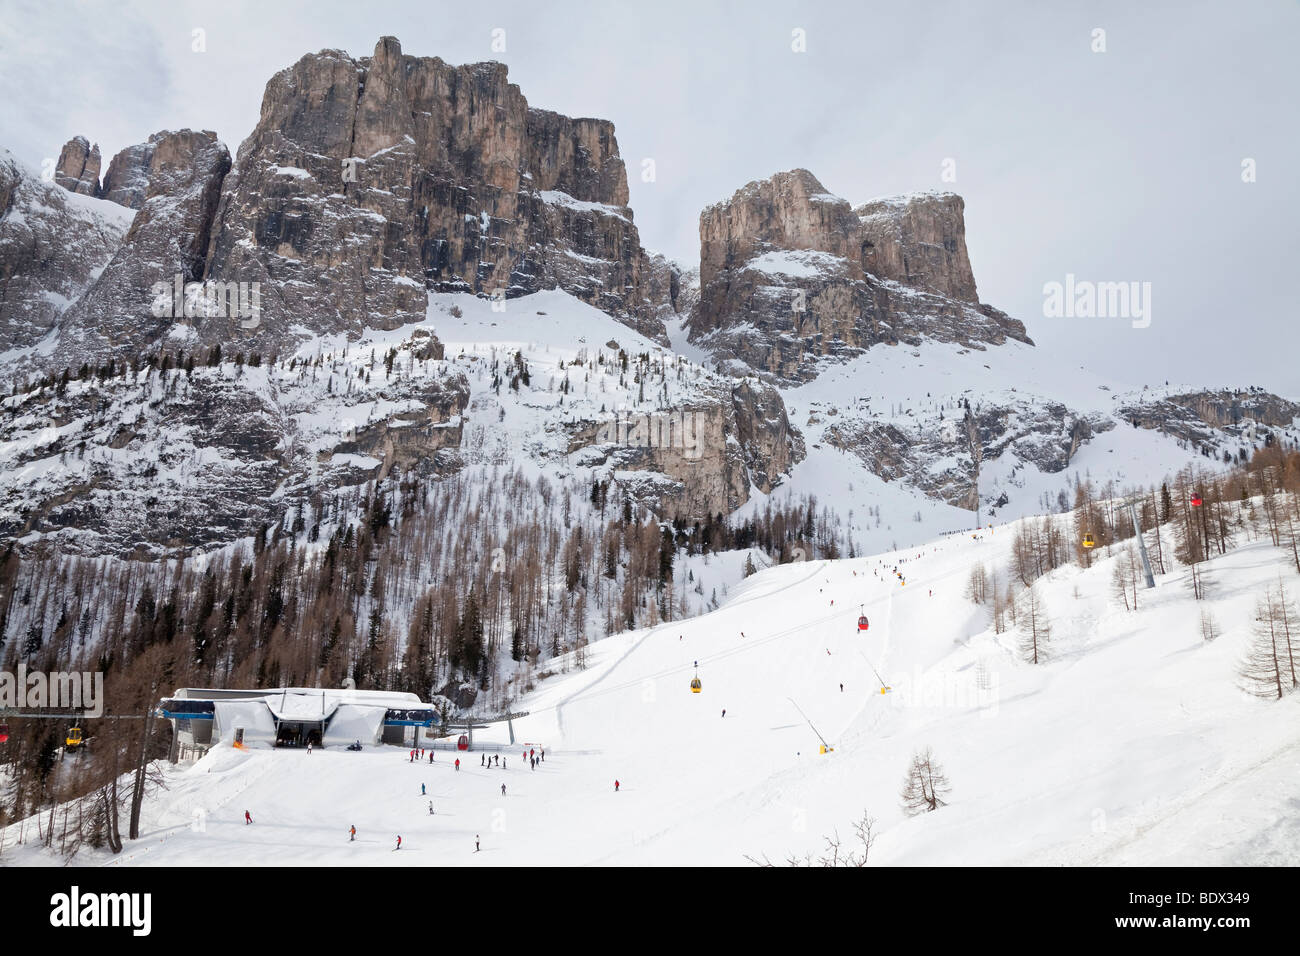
(1131, 501)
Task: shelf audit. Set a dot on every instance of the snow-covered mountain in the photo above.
(817, 347)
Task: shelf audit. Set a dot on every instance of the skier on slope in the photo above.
(399, 842)
(503, 789)
(352, 833)
(616, 786)
(457, 763)
(247, 818)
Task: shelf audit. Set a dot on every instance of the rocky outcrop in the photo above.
(77, 170)
(942, 456)
(168, 459)
(695, 461)
(662, 285)
(134, 304)
(369, 181)
(127, 180)
(791, 274)
(52, 246)
(920, 241)
(1203, 417)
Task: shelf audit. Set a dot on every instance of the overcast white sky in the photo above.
(1115, 166)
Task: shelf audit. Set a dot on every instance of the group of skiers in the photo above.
(533, 756)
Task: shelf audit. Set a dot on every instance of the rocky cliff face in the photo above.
(943, 456)
(1203, 417)
(124, 313)
(920, 241)
(127, 180)
(53, 244)
(696, 460)
(77, 170)
(367, 186)
(368, 182)
(155, 460)
(791, 274)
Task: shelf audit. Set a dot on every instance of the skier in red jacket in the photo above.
(616, 786)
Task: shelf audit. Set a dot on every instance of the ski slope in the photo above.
(1133, 745)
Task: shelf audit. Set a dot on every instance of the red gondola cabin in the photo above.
(463, 743)
(1196, 501)
(863, 623)
(4, 733)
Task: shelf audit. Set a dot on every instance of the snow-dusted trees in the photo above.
(977, 585)
(925, 785)
(1124, 578)
(1039, 547)
(1269, 668)
(1034, 625)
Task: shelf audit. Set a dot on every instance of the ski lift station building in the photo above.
(294, 717)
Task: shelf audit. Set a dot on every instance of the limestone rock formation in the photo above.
(920, 241)
(127, 180)
(943, 457)
(696, 461)
(791, 274)
(165, 458)
(123, 314)
(78, 167)
(1202, 417)
(369, 181)
(52, 246)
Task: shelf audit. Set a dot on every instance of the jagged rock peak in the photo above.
(78, 168)
(791, 274)
(435, 178)
(137, 172)
(53, 244)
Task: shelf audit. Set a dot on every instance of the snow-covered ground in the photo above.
(1132, 745)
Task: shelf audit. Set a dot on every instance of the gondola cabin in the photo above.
(4, 733)
(74, 739)
(696, 685)
(462, 743)
(1089, 541)
(1197, 501)
(863, 623)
